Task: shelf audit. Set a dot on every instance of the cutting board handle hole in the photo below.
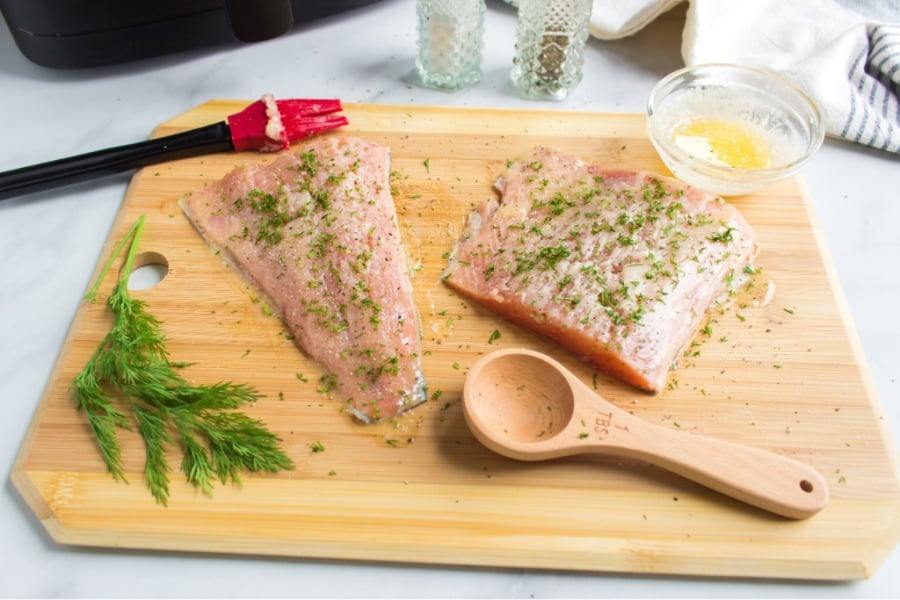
(150, 268)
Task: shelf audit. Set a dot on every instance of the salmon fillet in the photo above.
(619, 267)
(316, 231)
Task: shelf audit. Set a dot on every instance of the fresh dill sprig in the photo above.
(129, 381)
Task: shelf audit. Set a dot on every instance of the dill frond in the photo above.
(130, 373)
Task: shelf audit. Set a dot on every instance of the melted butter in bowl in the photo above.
(732, 130)
(733, 144)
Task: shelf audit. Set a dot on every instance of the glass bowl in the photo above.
(730, 130)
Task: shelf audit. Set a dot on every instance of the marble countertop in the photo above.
(50, 243)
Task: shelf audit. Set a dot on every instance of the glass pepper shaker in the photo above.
(550, 40)
(450, 42)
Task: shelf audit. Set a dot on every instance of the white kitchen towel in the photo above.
(846, 55)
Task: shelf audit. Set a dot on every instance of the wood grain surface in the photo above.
(789, 377)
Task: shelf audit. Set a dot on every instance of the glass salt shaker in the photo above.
(550, 40)
(450, 42)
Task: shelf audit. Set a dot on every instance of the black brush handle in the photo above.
(203, 140)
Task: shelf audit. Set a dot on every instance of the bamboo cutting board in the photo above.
(789, 377)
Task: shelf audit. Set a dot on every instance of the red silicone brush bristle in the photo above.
(303, 118)
(298, 127)
(270, 125)
(305, 108)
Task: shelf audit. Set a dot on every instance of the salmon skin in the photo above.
(619, 267)
(316, 231)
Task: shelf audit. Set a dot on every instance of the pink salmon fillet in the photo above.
(316, 231)
(619, 267)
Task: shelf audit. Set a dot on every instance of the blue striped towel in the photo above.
(873, 118)
(845, 54)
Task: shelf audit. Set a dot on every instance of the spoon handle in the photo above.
(764, 479)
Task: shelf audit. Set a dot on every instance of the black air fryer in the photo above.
(68, 34)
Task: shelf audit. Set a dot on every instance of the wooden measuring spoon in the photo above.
(525, 405)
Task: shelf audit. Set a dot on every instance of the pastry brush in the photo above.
(267, 125)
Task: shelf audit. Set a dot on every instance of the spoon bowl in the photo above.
(527, 406)
(520, 402)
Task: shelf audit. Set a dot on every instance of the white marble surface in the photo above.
(50, 242)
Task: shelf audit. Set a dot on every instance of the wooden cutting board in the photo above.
(789, 377)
